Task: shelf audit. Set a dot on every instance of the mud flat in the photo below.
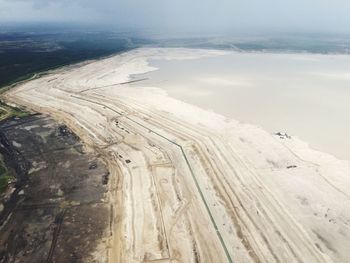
(188, 185)
(55, 209)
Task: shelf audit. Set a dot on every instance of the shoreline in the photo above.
(227, 169)
(238, 93)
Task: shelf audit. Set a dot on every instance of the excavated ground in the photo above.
(55, 210)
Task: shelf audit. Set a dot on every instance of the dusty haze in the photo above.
(301, 15)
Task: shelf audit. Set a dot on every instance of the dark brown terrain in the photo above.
(55, 208)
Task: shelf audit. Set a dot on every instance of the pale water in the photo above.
(301, 94)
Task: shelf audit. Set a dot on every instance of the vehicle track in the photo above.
(229, 259)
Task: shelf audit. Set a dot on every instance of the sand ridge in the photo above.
(189, 185)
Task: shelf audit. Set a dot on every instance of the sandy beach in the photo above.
(190, 185)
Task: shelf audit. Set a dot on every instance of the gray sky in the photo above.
(319, 15)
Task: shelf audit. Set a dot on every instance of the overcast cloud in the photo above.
(320, 15)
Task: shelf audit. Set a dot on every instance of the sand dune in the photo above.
(190, 185)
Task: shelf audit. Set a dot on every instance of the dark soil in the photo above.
(56, 212)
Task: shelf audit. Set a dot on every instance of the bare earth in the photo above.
(189, 185)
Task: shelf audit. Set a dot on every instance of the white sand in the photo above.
(188, 185)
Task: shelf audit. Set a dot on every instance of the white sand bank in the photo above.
(188, 185)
